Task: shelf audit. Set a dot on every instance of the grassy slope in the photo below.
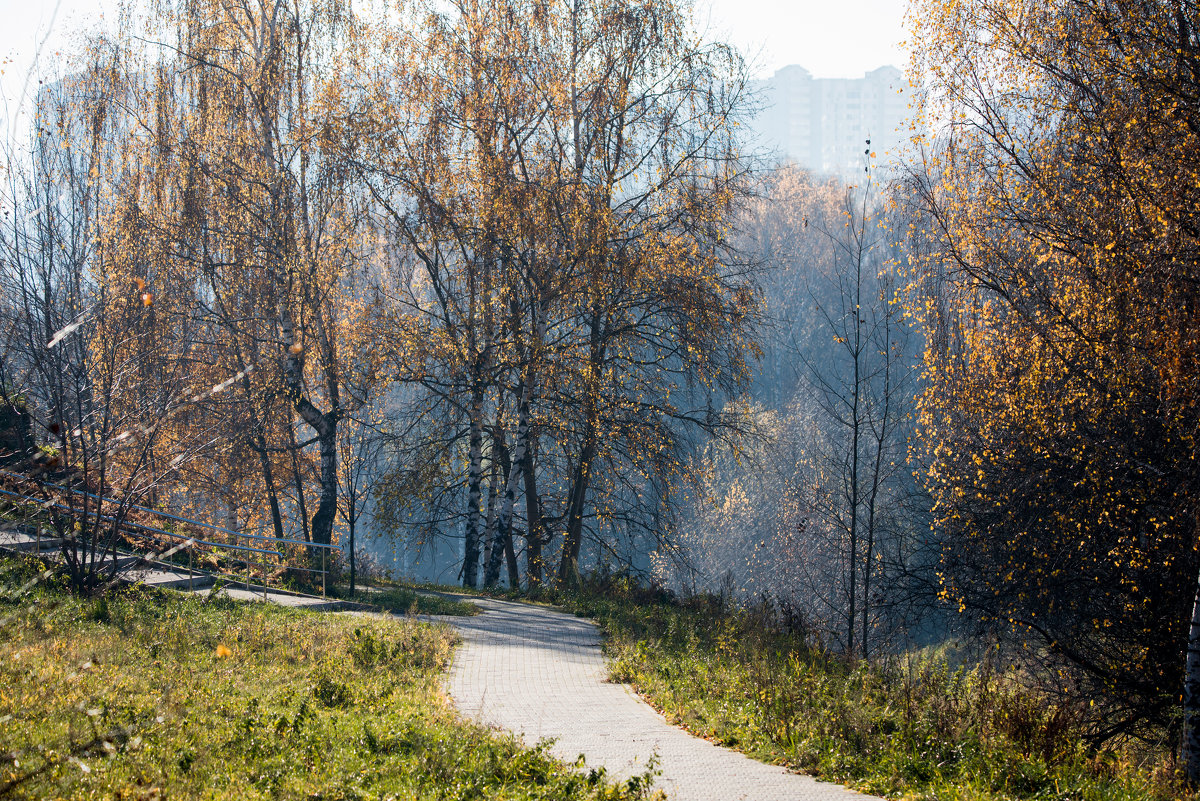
(914, 729)
(150, 695)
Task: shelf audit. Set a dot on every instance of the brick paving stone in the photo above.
(539, 673)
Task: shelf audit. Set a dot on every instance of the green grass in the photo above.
(911, 728)
(156, 695)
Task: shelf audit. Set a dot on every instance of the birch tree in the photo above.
(562, 175)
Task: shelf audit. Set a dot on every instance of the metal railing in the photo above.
(144, 532)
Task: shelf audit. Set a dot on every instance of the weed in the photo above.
(99, 611)
(331, 692)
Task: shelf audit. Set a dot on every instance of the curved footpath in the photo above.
(539, 673)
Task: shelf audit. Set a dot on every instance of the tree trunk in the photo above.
(353, 559)
(1190, 752)
(474, 491)
(298, 477)
(491, 574)
(880, 436)
(855, 432)
(259, 443)
(568, 566)
(853, 559)
(534, 536)
(510, 556)
(499, 478)
(325, 426)
(322, 521)
(269, 480)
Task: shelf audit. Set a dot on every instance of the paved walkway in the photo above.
(540, 673)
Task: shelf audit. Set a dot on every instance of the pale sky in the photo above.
(840, 39)
(831, 39)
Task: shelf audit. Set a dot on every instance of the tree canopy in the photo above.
(1056, 264)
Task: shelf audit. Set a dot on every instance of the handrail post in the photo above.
(266, 565)
(322, 572)
(191, 557)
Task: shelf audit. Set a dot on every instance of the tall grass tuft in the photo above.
(929, 724)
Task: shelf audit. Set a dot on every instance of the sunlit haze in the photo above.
(831, 40)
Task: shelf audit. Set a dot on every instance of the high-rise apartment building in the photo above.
(823, 123)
